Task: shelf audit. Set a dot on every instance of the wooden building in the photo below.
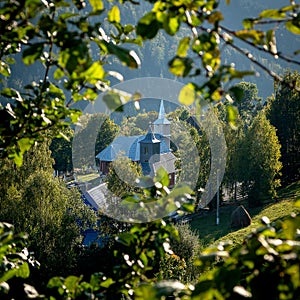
(152, 150)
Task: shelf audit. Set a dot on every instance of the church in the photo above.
(151, 151)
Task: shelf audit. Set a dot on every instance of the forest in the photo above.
(237, 64)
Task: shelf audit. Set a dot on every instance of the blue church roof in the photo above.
(128, 146)
(122, 146)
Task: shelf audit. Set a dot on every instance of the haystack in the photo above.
(240, 218)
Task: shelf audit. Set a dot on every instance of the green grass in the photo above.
(87, 177)
(210, 233)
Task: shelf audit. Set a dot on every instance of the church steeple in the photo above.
(149, 149)
(162, 125)
(161, 114)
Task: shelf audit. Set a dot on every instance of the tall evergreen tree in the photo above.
(234, 163)
(261, 163)
(284, 114)
(61, 149)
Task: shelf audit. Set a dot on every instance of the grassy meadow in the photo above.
(210, 233)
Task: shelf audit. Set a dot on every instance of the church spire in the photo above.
(162, 125)
(162, 113)
(162, 120)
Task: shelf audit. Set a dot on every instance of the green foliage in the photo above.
(269, 257)
(204, 21)
(46, 35)
(61, 151)
(139, 124)
(172, 267)
(251, 135)
(284, 112)
(93, 134)
(245, 95)
(192, 149)
(15, 260)
(180, 264)
(121, 178)
(136, 260)
(74, 45)
(188, 245)
(235, 157)
(106, 134)
(43, 207)
(60, 36)
(145, 199)
(263, 170)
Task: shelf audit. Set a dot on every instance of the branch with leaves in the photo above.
(209, 36)
(69, 43)
(66, 42)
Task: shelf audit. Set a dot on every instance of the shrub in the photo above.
(172, 267)
(181, 266)
(188, 244)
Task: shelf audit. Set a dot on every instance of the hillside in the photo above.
(210, 233)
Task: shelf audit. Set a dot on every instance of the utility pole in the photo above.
(218, 200)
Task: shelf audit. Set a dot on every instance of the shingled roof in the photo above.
(167, 161)
(128, 146)
(96, 196)
(122, 145)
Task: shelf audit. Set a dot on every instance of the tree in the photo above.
(139, 124)
(121, 182)
(53, 216)
(249, 104)
(122, 176)
(284, 114)
(226, 273)
(62, 42)
(61, 151)
(16, 262)
(68, 54)
(192, 150)
(106, 134)
(234, 164)
(95, 127)
(261, 151)
(207, 37)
